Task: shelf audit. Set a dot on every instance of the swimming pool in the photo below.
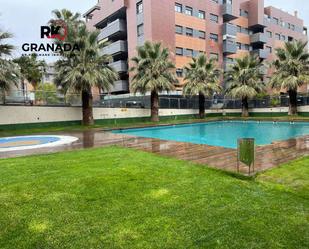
(33, 142)
(224, 133)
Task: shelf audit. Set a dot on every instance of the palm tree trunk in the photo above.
(87, 108)
(245, 107)
(201, 98)
(154, 106)
(292, 102)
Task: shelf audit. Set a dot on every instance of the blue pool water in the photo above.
(224, 133)
(8, 142)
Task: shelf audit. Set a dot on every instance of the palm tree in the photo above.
(31, 69)
(5, 49)
(85, 69)
(9, 72)
(245, 80)
(292, 70)
(202, 79)
(154, 72)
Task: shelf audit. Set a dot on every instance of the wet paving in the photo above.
(267, 156)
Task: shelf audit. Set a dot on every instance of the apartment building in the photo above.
(223, 29)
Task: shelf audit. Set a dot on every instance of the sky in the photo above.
(24, 18)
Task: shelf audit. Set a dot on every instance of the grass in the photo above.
(129, 124)
(122, 198)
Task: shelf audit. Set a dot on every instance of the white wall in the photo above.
(37, 114)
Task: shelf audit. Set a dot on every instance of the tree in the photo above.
(154, 72)
(31, 69)
(9, 72)
(202, 79)
(245, 81)
(85, 69)
(291, 70)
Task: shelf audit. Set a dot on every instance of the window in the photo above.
(189, 11)
(140, 30)
(283, 37)
(269, 34)
(214, 37)
(246, 47)
(178, 29)
(201, 34)
(214, 18)
(139, 7)
(189, 32)
(277, 36)
(276, 20)
(214, 56)
(178, 7)
(238, 29)
(292, 27)
(179, 51)
(215, 1)
(238, 44)
(179, 72)
(201, 14)
(190, 52)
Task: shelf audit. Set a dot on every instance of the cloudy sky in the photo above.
(23, 18)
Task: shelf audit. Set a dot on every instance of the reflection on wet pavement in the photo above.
(267, 156)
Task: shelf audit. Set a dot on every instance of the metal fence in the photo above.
(44, 98)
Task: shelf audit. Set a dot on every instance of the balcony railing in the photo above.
(258, 38)
(117, 27)
(119, 66)
(115, 48)
(229, 30)
(229, 47)
(261, 53)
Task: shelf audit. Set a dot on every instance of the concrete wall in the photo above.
(37, 114)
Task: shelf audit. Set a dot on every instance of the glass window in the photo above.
(189, 11)
(178, 7)
(178, 29)
(140, 30)
(238, 44)
(214, 18)
(189, 32)
(214, 37)
(202, 34)
(269, 34)
(276, 20)
(190, 52)
(201, 14)
(139, 7)
(179, 72)
(278, 36)
(179, 51)
(238, 29)
(283, 37)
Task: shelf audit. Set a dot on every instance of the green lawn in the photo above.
(121, 198)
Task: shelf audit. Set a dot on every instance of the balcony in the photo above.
(116, 48)
(120, 86)
(227, 12)
(258, 38)
(116, 28)
(120, 66)
(229, 30)
(261, 53)
(229, 47)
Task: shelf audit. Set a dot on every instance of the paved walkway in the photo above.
(218, 157)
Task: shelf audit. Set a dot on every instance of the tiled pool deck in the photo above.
(267, 156)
